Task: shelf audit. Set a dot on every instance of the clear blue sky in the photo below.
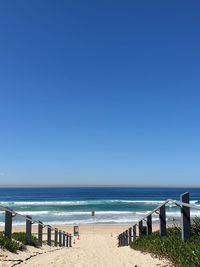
(100, 93)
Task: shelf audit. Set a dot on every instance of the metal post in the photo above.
(28, 230)
(56, 237)
(64, 239)
(140, 228)
(60, 238)
(8, 224)
(130, 235)
(149, 225)
(40, 228)
(49, 235)
(185, 217)
(67, 240)
(162, 217)
(134, 232)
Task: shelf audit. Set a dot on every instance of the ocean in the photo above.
(73, 206)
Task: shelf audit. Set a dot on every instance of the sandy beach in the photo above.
(97, 247)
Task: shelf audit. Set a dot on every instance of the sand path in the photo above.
(95, 250)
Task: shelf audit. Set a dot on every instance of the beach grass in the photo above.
(45, 242)
(18, 242)
(10, 245)
(171, 246)
(21, 237)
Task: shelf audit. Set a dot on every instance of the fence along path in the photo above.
(129, 235)
(65, 239)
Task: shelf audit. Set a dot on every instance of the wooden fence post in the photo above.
(124, 239)
(63, 239)
(40, 229)
(130, 235)
(70, 240)
(49, 235)
(55, 237)
(134, 232)
(149, 225)
(162, 216)
(185, 217)
(140, 228)
(119, 238)
(28, 229)
(67, 240)
(60, 238)
(127, 238)
(8, 224)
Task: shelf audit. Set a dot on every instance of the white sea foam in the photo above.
(113, 217)
(78, 216)
(2, 224)
(64, 213)
(178, 214)
(73, 213)
(87, 202)
(49, 213)
(128, 221)
(152, 201)
(33, 212)
(42, 203)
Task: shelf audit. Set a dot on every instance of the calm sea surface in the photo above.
(68, 206)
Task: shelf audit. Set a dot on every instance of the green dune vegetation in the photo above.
(171, 246)
(18, 242)
(21, 237)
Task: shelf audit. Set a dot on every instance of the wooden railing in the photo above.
(61, 238)
(130, 235)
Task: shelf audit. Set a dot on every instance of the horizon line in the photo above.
(94, 186)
